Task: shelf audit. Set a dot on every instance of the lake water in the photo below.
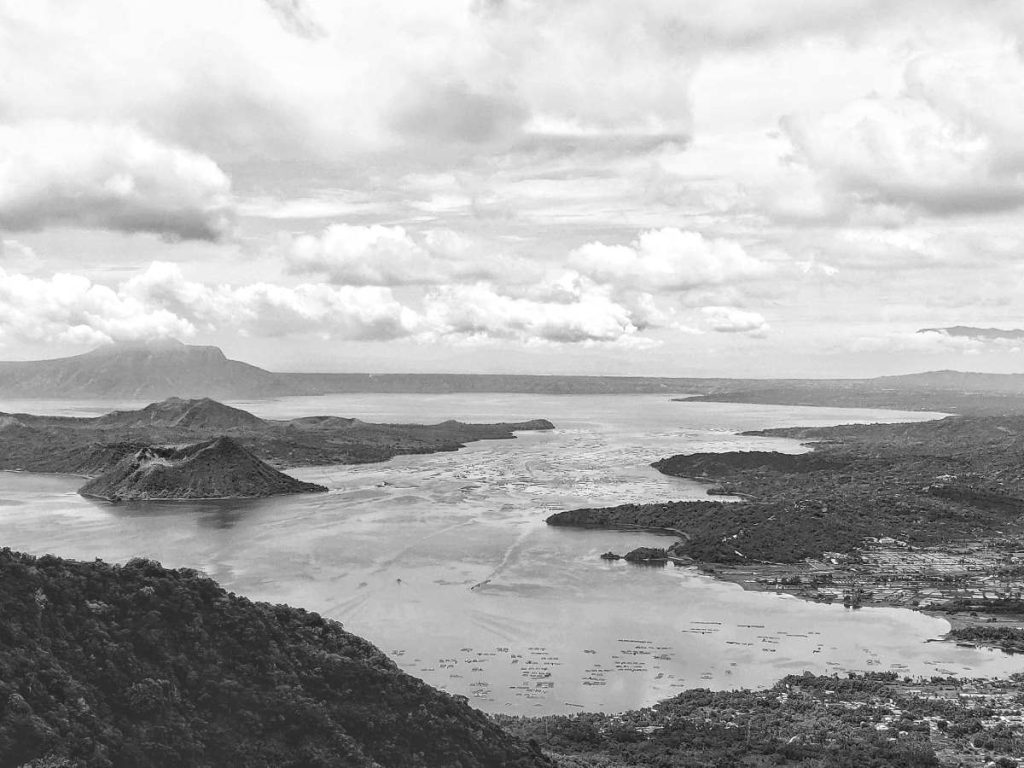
(444, 561)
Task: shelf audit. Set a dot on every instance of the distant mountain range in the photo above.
(982, 334)
(151, 371)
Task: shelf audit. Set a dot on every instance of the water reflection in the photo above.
(216, 513)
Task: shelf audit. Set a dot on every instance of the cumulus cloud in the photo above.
(264, 309)
(109, 177)
(71, 308)
(479, 312)
(391, 256)
(900, 151)
(733, 320)
(668, 260)
(951, 142)
(161, 302)
(358, 255)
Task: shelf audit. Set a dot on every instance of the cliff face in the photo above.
(218, 468)
(138, 666)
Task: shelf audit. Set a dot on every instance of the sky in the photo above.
(651, 187)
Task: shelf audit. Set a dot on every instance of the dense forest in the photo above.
(139, 666)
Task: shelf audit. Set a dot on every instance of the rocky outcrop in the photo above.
(214, 469)
(647, 555)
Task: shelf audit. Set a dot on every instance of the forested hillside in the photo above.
(137, 665)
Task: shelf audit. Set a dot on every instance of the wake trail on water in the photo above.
(505, 628)
(511, 553)
(385, 564)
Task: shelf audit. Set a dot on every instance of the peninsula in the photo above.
(925, 515)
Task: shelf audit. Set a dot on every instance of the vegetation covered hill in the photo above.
(138, 666)
(200, 414)
(214, 469)
(92, 445)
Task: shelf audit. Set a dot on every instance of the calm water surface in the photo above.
(444, 561)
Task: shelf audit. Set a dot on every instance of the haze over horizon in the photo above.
(728, 188)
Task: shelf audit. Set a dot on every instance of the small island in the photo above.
(214, 469)
(204, 449)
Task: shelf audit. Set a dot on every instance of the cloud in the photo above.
(305, 80)
(732, 320)
(14, 252)
(71, 308)
(979, 334)
(901, 152)
(264, 309)
(480, 312)
(161, 303)
(668, 260)
(930, 342)
(452, 111)
(296, 17)
(108, 177)
(390, 256)
(951, 142)
(358, 255)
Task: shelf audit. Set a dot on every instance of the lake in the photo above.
(444, 560)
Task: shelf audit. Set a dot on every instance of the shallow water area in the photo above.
(444, 560)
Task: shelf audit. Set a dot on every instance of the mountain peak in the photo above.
(156, 348)
(213, 469)
(200, 413)
(139, 370)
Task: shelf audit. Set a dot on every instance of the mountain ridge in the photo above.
(154, 371)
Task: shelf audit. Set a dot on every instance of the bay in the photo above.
(444, 560)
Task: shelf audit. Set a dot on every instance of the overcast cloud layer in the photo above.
(674, 187)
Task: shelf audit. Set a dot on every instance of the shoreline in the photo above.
(836, 519)
(792, 579)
